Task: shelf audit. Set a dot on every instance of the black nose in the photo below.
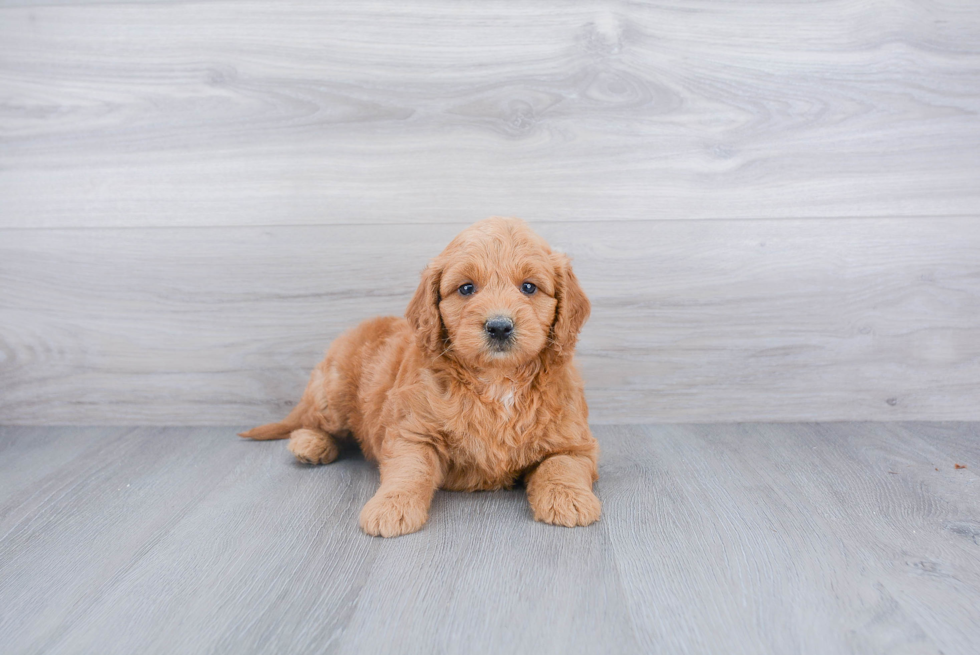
(499, 328)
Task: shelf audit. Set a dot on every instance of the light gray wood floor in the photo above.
(738, 538)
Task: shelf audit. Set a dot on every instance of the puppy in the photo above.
(474, 389)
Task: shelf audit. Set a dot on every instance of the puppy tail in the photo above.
(278, 430)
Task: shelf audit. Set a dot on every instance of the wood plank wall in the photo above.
(775, 206)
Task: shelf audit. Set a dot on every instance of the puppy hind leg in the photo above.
(316, 441)
(313, 446)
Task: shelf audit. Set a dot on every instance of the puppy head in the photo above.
(498, 297)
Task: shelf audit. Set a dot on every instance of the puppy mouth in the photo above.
(500, 335)
(499, 348)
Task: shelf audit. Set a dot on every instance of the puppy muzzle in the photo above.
(500, 332)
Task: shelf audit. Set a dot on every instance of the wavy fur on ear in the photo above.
(573, 307)
(423, 312)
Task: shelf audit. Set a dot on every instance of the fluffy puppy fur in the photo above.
(474, 389)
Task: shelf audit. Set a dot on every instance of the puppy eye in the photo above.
(528, 288)
(466, 289)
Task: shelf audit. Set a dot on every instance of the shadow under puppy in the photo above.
(475, 390)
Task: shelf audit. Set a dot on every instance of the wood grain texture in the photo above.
(752, 538)
(692, 320)
(259, 113)
(855, 526)
(196, 197)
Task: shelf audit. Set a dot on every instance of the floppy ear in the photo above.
(572, 310)
(423, 312)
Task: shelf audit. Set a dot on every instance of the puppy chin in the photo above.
(501, 355)
(507, 355)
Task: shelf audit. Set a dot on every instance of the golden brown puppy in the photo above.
(475, 390)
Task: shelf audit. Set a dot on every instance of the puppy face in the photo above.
(498, 297)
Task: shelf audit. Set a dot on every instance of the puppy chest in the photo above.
(488, 461)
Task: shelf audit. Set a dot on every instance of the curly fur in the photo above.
(430, 399)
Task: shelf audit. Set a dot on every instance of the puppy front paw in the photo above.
(393, 514)
(569, 506)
